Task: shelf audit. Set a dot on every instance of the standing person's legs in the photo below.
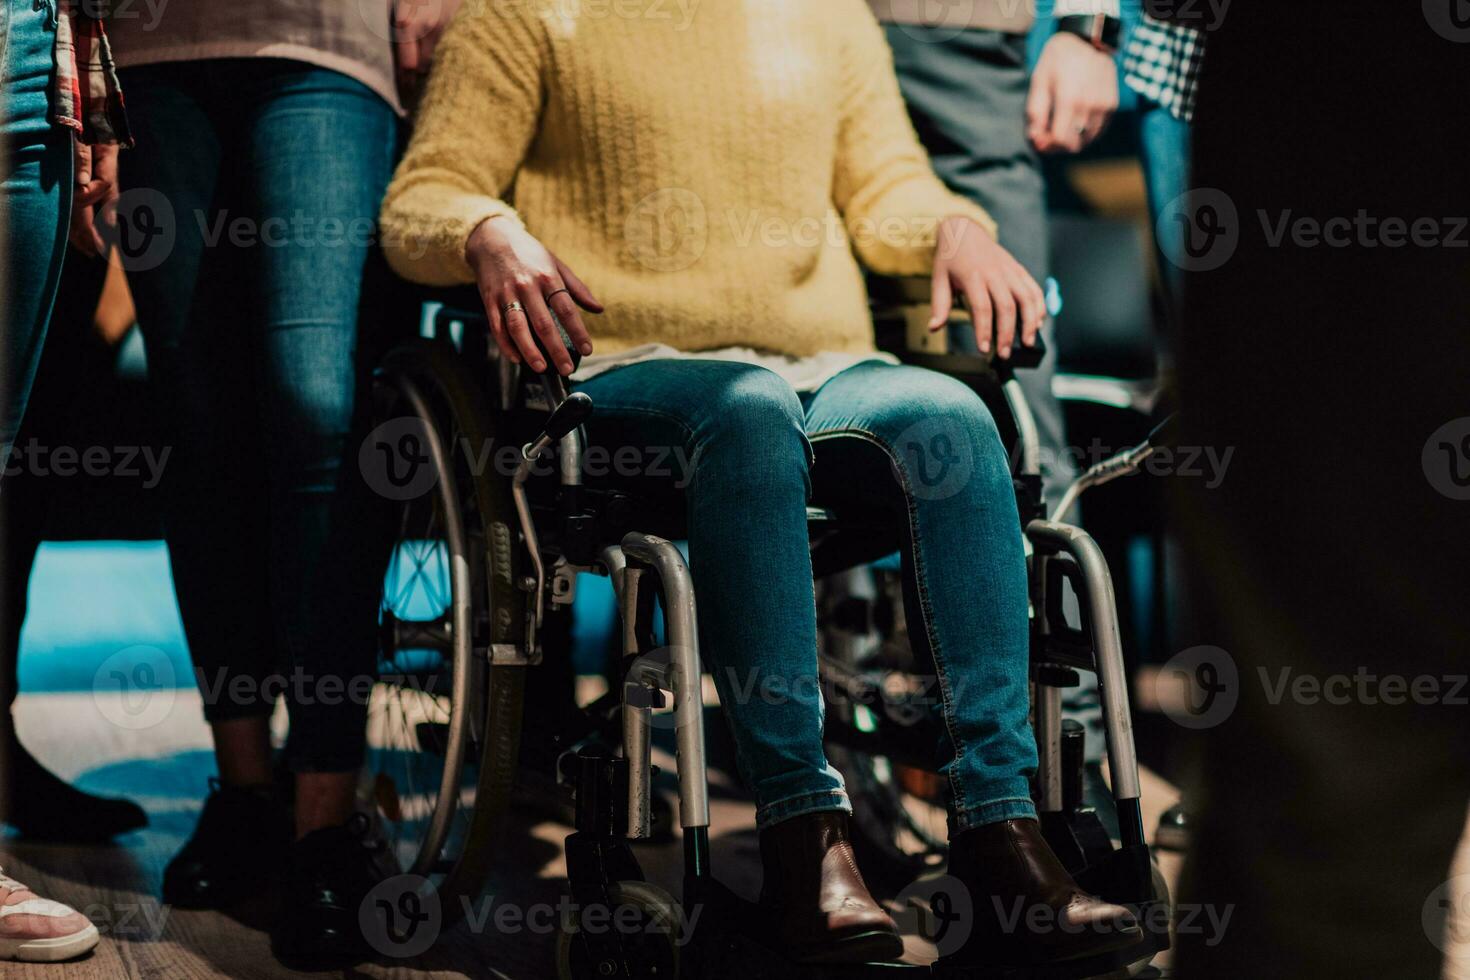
(1164, 151)
(73, 381)
(192, 309)
(322, 152)
(35, 202)
(35, 205)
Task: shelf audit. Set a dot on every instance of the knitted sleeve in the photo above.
(890, 199)
(478, 116)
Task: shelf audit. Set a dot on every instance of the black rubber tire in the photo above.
(443, 376)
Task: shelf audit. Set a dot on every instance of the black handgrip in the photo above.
(1026, 357)
(572, 412)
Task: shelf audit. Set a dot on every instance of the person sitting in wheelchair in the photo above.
(717, 180)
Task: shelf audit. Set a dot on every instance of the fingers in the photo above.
(1039, 110)
(427, 44)
(104, 161)
(90, 193)
(545, 327)
(82, 235)
(578, 288)
(1076, 121)
(407, 33)
(82, 231)
(1004, 305)
(518, 328)
(1032, 303)
(1097, 123)
(941, 299)
(498, 330)
(977, 298)
(561, 303)
(82, 163)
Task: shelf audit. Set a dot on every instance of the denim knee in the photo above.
(752, 431)
(945, 442)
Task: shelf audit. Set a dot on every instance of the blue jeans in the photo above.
(268, 175)
(35, 200)
(1164, 150)
(916, 446)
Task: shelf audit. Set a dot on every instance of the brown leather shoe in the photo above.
(818, 903)
(1027, 908)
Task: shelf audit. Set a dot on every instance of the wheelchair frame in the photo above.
(612, 792)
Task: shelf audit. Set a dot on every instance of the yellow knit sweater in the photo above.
(708, 167)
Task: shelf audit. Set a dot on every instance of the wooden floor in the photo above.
(164, 767)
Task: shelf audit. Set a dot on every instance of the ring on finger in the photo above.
(555, 291)
(514, 306)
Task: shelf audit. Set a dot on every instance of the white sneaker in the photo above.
(39, 930)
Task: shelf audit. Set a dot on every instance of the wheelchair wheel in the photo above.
(652, 947)
(444, 721)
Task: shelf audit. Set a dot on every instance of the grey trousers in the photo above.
(966, 95)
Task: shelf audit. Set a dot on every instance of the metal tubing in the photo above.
(529, 455)
(637, 717)
(637, 749)
(685, 675)
(1026, 431)
(1108, 648)
(1049, 746)
(1105, 472)
(615, 563)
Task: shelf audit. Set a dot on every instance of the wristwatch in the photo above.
(1099, 30)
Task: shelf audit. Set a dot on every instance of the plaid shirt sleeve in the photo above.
(1162, 61)
(87, 97)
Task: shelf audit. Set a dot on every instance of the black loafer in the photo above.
(328, 876)
(236, 848)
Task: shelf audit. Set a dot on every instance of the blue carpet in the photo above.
(91, 600)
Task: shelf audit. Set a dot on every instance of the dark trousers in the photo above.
(253, 356)
(1334, 547)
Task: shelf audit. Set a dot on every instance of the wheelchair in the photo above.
(494, 522)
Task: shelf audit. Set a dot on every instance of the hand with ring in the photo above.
(1074, 92)
(522, 284)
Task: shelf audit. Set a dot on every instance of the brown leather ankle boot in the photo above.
(819, 906)
(1027, 909)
